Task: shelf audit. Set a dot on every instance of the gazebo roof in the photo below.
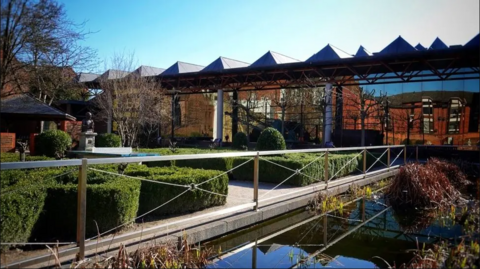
(23, 106)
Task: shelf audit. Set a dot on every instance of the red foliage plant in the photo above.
(454, 174)
(421, 186)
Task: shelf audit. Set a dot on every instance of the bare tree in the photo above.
(132, 102)
(365, 101)
(41, 47)
(355, 116)
(407, 117)
(285, 100)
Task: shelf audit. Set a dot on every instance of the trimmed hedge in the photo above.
(111, 201)
(22, 201)
(52, 143)
(46, 209)
(272, 173)
(271, 139)
(7, 157)
(19, 211)
(108, 140)
(153, 195)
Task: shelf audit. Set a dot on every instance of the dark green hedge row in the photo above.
(7, 157)
(46, 209)
(111, 201)
(152, 195)
(272, 173)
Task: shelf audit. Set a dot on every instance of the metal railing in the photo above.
(83, 167)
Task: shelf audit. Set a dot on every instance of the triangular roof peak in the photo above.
(399, 45)
(273, 58)
(182, 67)
(114, 74)
(147, 71)
(328, 53)
(222, 63)
(474, 42)
(362, 52)
(438, 45)
(420, 47)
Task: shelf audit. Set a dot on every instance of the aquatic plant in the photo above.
(421, 186)
(452, 171)
(164, 255)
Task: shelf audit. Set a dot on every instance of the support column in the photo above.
(219, 119)
(328, 114)
(235, 114)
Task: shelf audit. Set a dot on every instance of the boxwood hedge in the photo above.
(45, 209)
(272, 173)
(7, 157)
(152, 195)
(22, 201)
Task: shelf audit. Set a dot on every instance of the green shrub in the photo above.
(272, 173)
(53, 143)
(19, 211)
(111, 201)
(240, 141)
(7, 157)
(152, 195)
(22, 201)
(108, 141)
(271, 139)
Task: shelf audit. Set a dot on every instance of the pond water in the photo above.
(350, 239)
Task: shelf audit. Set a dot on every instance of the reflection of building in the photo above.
(437, 117)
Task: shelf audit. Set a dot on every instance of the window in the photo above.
(427, 111)
(455, 114)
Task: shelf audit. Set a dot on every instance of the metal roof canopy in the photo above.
(381, 68)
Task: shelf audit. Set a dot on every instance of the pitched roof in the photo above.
(182, 67)
(273, 58)
(87, 77)
(328, 53)
(362, 52)
(223, 63)
(438, 45)
(399, 45)
(114, 74)
(25, 106)
(420, 47)
(474, 42)
(148, 71)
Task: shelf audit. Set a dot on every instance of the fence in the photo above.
(384, 158)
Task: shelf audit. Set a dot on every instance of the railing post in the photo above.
(256, 163)
(405, 154)
(82, 208)
(325, 167)
(364, 161)
(388, 157)
(416, 154)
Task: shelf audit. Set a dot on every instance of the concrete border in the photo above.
(198, 232)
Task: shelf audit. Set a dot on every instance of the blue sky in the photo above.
(162, 32)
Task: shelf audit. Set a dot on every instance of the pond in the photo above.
(349, 239)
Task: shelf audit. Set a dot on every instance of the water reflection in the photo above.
(366, 229)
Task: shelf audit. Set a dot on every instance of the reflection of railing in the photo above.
(83, 244)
